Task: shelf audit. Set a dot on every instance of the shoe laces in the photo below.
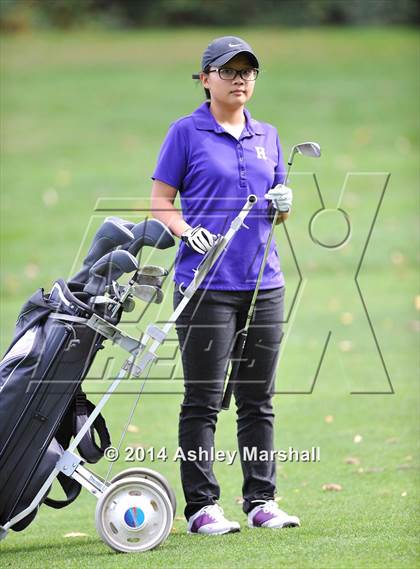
(215, 512)
(270, 507)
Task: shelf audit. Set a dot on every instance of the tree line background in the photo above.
(25, 15)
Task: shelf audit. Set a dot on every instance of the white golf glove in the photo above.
(199, 239)
(281, 197)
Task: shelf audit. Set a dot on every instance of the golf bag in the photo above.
(41, 402)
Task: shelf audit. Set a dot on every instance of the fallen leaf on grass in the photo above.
(357, 439)
(174, 530)
(334, 304)
(133, 429)
(239, 500)
(346, 318)
(332, 487)
(403, 494)
(397, 258)
(32, 270)
(352, 460)
(345, 345)
(370, 470)
(50, 197)
(405, 467)
(179, 519)
(417, 302)
(328, 418)
(278, 498)
(75, 534)
(414, 325)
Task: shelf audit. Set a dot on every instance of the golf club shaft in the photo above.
(239, 348)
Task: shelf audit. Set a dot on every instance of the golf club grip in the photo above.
(236, 356)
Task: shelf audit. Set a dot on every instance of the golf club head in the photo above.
(109, 268)
(148, 293)
(150, 232)
(150, 275)
(310, 149)
(111, 234)
(129, 304)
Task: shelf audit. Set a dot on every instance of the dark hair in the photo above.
(207, 91)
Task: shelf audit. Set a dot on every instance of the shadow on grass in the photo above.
(81, 547)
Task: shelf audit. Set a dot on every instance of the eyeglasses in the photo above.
(229, 74)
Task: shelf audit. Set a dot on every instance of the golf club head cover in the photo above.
(109, 268)
(150, 232)
(111, 234)
(125, 222)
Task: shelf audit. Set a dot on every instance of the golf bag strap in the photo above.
(71, 489)
(87, 447)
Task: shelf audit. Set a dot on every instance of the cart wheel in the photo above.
(133, 515)
(152, 475)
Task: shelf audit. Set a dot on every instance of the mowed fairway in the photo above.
(82, 119)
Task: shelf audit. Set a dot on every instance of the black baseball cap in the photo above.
(221, 50)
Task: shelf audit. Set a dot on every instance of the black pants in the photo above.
(206, 330)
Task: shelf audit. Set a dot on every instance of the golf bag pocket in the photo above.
(42, 471)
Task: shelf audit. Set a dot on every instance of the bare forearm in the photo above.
(164, 210)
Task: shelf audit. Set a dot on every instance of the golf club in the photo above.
(111, 234)
(310, 149)
(107, 269)
(148, 283)
(153, 233)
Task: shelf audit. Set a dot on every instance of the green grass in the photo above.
(83, 116)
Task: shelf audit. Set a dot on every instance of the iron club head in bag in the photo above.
(109, 268)
(148, 283)
(152, 233)
(111, 234)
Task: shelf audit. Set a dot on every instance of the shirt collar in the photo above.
(204, 120)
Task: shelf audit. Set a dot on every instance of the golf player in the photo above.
(215, 157)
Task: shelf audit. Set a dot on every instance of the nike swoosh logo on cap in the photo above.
(234, 45)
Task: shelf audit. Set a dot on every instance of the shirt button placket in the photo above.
(242, 171)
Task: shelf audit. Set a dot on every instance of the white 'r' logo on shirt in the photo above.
(261, 152)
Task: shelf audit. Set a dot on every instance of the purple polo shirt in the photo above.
(214, 173)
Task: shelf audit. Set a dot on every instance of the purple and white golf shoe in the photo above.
(210, 520)
(268, 515)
